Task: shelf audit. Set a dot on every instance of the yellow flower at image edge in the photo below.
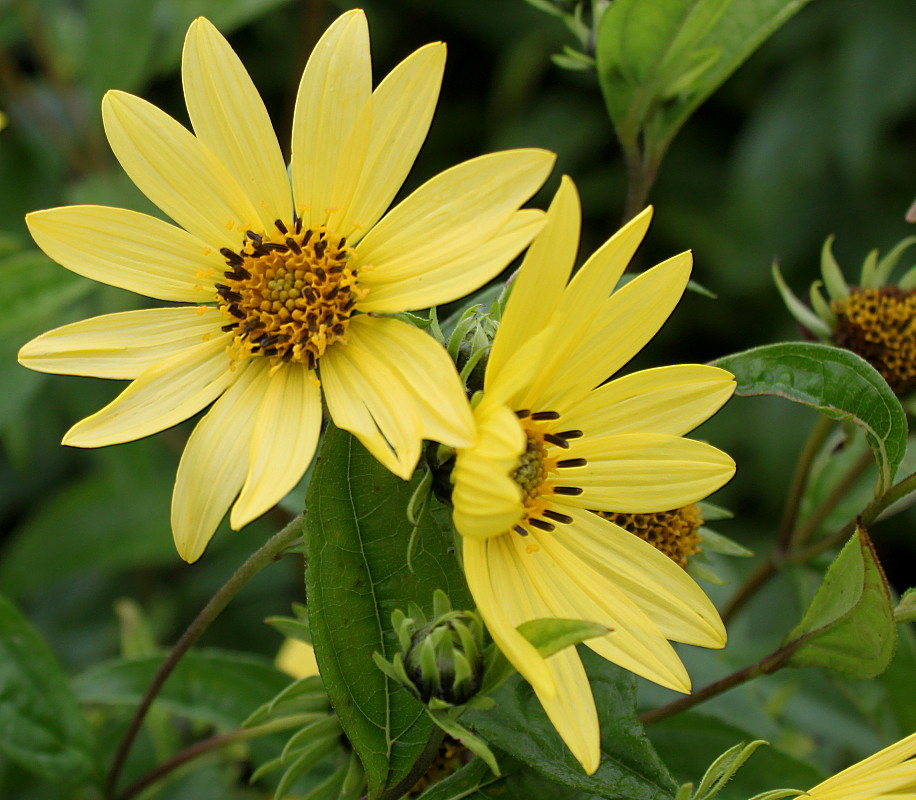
(552, 449)
(292, 272)
(890, 773)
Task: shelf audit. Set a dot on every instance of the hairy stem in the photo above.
(766, 666)
(255, 562)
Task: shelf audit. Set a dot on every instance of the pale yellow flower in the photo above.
(554, 443)
(890, 773)
(300, 265)
(297, 659)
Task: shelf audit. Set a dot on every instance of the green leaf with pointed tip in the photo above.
(43, 729)
(849, 625)
(357, 576)
(629, 766)
(906, 608)
(646, 47)
(838, 383)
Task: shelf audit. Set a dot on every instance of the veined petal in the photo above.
(366, 396)
(457, 210)
(572, 710)
(598, 276)
(672, 400)
(162, 396)
(643, 473)
(432, 282)
(402, 110)
(283, 441)
(229, 117)
(867, 774)
(595, 339)
(571, 589)
(129, 250)
(486, 501)
(177, 171)
(664, 591)
(540, 281)
(505, 601)
(427, 373)
(333, 92)
(215, 461)
(121, 345)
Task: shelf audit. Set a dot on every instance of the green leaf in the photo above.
(463, 783)
(849, 625)
(838, 383)
(357, 576)
(218, 687)
(906, 608)
(724, 768)
(658, 60)
(629, 766)
(108, 63)
(41, 726)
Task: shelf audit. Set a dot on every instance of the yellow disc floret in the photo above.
(675, 533)
(880, 326)
(288, 294)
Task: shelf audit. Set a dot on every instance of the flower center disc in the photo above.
(288, 295)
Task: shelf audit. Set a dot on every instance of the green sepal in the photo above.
(723, 769)
(448, 723)
(302, 696)
(821, 306)
(834, 280)
(778, 794)
(291, 628)
(886, 265)
(803, 315)
(908, 281)
(684, 792)
(711, 512)
(869, 279)
(354, 782)
(717, 543)
(699, 570)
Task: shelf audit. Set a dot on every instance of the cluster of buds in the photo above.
(440, 659)
(874, 319)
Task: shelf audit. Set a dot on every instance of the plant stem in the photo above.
(752, 584)
(641, 174)
(255, 562)
(205, 746)
(766, 666)
(816, 439)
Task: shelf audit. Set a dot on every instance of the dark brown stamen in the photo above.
(232, 258)
(281, 227)
(572, 462)
(292, 245)
(571, 491)
(554, 439)
(545, 415)
(556, 516)
(570, 435)
(523, 413)
(519, 530)
(544, 526)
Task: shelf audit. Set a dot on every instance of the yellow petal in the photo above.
(486, 500)
(177, 171)
(162, 396)
(229, 117)
(432, 282)
(539, 285)
(333, 92)
(663, 590)
(297, 659)
(121, 345)
(672, 400)
(455, 211)
(283, 441)
(572, 710)
(571, 589)
(505, 601)
(427, 373)
(129, 250)
(643, 473)
(215, 461)
(870, 776)
(402, 110)
(367, 397)
(616, 328)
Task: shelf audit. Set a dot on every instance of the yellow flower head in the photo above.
(285, 268)
(555, 443)
(890, 773)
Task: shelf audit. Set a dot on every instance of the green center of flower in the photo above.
(536, 468)
(288, 294)
(880, 326)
